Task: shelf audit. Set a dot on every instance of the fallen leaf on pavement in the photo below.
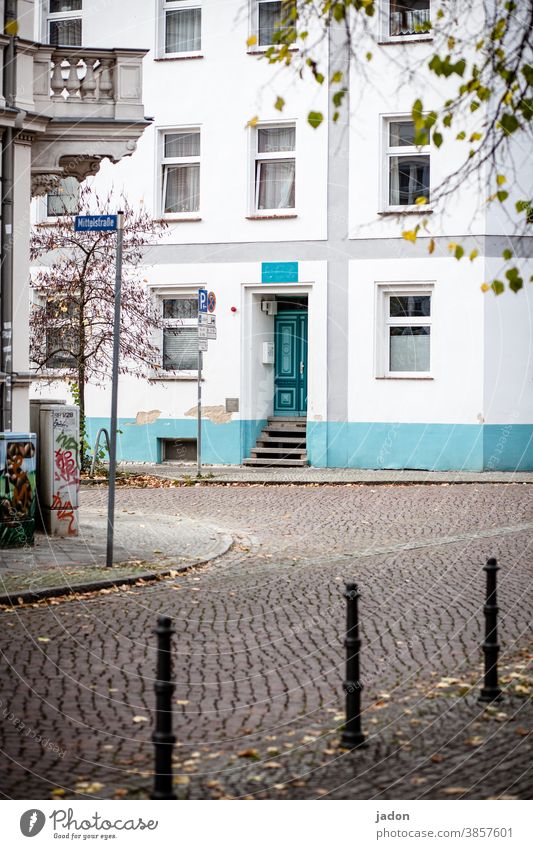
(140, 719)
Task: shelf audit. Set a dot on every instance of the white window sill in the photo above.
(54, 374)
(258, 50)
(405, 39)
(419, 209)
(178, 218)
(405, 376)
(175, 375)
(178, 57)
(270, 214)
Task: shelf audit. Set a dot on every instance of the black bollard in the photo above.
(163, 737)
(490, 692)
(352, 736)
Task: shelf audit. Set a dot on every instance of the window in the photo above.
(182, 27)
(64, 22)
(64, 199)
(181, 171)
(180, 334)
(407, 332)
(58, 348)
(407, 165)
(272, 17)
(275, 168)
(409, 17)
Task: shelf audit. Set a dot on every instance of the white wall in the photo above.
(508, 351)
(455, 394)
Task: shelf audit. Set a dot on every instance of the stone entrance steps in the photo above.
(281, 443)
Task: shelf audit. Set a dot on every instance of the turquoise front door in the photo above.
(290, 380)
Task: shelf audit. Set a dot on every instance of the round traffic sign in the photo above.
(211, 301)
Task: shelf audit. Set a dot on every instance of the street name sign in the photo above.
(95, 223)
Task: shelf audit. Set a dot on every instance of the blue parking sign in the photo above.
(202, 300)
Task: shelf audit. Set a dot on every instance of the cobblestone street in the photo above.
(259, 657)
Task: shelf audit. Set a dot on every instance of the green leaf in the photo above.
(509, 123)
(502, 195)
(507, 254)
(473, 255)
(437, 138)
(459, 252)
(497, 287)
(279, 104)
(315, 119)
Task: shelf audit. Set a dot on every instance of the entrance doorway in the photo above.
(290, 370)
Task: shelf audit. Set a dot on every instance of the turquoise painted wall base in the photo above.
(353, 445)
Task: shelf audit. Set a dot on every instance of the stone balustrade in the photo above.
(87, 106)
(83, 82)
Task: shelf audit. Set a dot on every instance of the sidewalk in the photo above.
(147, 547)
(312, 475)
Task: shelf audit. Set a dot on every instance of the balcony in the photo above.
(89, 104)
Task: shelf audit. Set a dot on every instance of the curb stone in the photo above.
(29, 596)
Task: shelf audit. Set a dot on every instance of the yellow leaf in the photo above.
(251, 41)
(43, 639)
(140, 719)
(500, 179)
(182, 779)
(58, 791)
(431, 247)
(253, 121)
(485, 287)
(409, 235)
(452, 246)
(420, 201)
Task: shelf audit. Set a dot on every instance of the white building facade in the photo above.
(391, 355)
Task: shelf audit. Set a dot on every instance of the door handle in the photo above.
(302, 366)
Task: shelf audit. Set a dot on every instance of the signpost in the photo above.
(207, 329)
(103, 224)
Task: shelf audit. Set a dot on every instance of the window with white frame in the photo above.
(270, 19)
(407, 331)
(408, 171)
(275, 167)
(64, 22)
(180, 171)
(181, 27)
(408, 17)
(180, 333)
(59, 346)
(63, 200)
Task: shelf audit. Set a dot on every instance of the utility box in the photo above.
(59, 468)
(17, 489)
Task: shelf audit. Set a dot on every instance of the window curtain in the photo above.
(270, 15)
(409, 179)
(182, 189)
(409, 348)
(276, 185)
(183, 31)
(180, 348)
(182, 144)
(60, 6)
(409, 18)
(66, 33)
(276, 139)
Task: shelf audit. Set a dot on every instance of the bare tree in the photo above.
(74, 294)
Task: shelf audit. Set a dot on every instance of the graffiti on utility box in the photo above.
(64, 504)
(17, 498)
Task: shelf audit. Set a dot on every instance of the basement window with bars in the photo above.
(64, 23)
(180, 335)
